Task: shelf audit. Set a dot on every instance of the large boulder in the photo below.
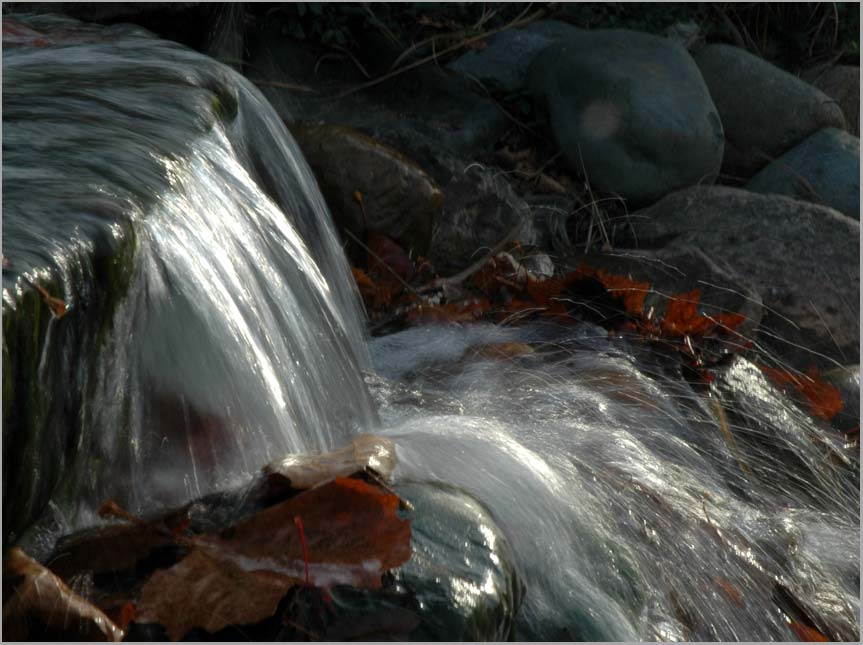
(765, 111)
(398, 198)
(631, 111)
(504, 64)
(802, 259)
(842, 84)
(824, 168)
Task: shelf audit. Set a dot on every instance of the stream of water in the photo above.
(235, 336)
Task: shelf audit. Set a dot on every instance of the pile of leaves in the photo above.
(399, 291)
(274, 564)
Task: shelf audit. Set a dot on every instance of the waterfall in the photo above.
(212, 323)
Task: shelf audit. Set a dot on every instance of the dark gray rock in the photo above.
(846, 379)
(399, 199)
(842, 84)
(306, 87)
(630, 110)
(503, 65)
(764, 110)
(803, 259)
(480, 209)
(824, 169)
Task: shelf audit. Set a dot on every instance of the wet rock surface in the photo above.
(764, 109)
(824, 169)
(631, 111)
(397, 198)
(801, 258)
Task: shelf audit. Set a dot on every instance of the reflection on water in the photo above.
(629, 511)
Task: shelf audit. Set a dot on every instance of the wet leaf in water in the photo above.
(352, 532)
(38, 604)
(305, 471)
(807, 634)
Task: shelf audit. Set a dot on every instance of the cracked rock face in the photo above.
(631, 111)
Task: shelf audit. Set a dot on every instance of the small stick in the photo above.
(379, 259)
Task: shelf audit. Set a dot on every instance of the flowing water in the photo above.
(637, 506)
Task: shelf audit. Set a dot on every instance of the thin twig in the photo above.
(281, 85)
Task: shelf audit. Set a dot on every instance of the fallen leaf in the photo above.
(38, 604)
(306, 471)
(209, 591)
(502, 351)
(730, 590)
(57, 306)
(115, 548)
(807, 634)
(352, 533)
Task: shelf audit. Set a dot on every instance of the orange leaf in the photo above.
(808, 634)
(630, 291)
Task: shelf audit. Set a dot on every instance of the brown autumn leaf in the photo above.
(807, 634)
(115, 548)
(306, 471)
(503, 351)
(39, 604)
(211, 592)
(351, 534)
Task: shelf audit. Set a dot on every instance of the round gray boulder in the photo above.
(801, 258)
(765, 110)
(631, 111)
(824, 169)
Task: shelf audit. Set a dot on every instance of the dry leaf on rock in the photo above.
(36, 598)
(352, 532)
(305, 471)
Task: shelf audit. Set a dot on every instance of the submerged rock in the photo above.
(824, 169)
(764, 110)
(398, 198)
(801, 258)
(503, 65)
(461, 575)
(631, 111)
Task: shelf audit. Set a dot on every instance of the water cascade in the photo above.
(212, 325)
(211, 316)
